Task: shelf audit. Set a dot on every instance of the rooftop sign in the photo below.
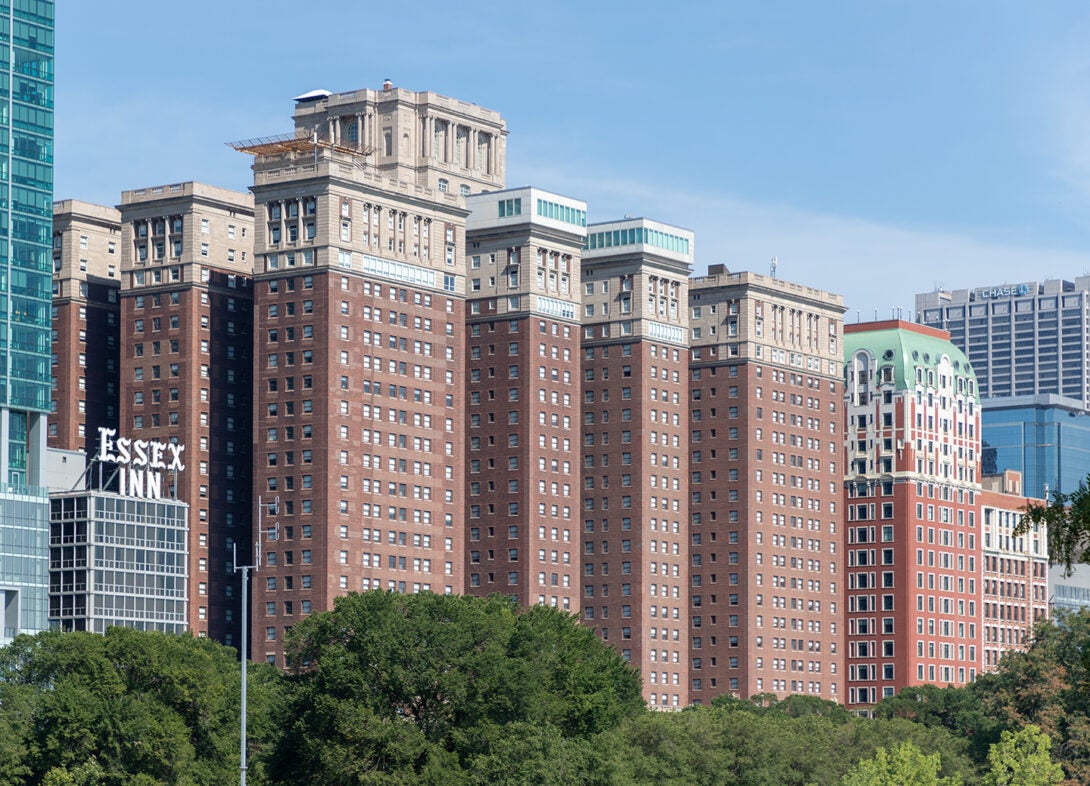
(1007, 290)
(141, 462)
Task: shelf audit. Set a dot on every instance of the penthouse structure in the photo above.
(912, 489)
(442, 144)
(635, 351)
(1015, 583)
(765, 443)
(86, 336)
(186, 321)
(360, 298)
(523, 250)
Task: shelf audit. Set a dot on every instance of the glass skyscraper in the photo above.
(26, 209)
(1046, 438)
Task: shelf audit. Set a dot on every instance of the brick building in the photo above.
(186, 323)
(912, 490)
(523, 251)
(766, 472)
(635, 280)
(360, 378)
(1015, 567)
(86, 335)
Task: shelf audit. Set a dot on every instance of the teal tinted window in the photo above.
(26, 168)
(638, 236)
(559, 212)
(510, 207)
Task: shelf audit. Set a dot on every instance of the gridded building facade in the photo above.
(635, 279)
(187, 328)
(523, 251)
(1015, 568)
(1023, 339)
(912, 498)
(360, 390)
(766, 393)
(26, 128)
(117, 561)
(86, 324)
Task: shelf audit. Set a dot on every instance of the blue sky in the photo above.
(878, 149)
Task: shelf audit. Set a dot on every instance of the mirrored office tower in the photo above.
(26, 182)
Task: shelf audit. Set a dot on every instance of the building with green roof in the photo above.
(911, 538)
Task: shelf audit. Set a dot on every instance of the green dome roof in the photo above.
(906, 349)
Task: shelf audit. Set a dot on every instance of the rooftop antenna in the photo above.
(273, 532)
(772, 267)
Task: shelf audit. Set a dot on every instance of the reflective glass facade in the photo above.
(26, 178)
(26, 214)
(1048, 442)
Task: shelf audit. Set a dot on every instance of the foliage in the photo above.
(1046, 686)
(1023, 758)
(424, 687)
(128, 707)
(1067, 519)
(799, 741)
(960, 710)
(906, 765)
(429, 689)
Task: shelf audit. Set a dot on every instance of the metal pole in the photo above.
(245, 632)
(245, 635)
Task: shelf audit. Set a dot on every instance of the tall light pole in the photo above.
(246, 634)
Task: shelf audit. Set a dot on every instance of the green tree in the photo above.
(418, 687)
(129, 707)
(90, 773)
(960, 710)
(1023, 758)
(1067, 519)
(1048, 685)
(907, 765)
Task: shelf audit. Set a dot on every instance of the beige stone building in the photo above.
(414, 138)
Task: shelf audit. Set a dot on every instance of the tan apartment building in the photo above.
(1015, 583)
(635, 533)
(187, 322)
(86, 324)
(765, 398)
(523, 251)
(360, 378)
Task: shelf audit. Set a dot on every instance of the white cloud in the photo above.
(873, 265)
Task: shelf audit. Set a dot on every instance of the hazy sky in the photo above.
(877, 148)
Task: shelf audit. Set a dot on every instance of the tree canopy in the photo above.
(391, 689)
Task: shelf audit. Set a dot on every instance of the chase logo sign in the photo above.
(1012, 290)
